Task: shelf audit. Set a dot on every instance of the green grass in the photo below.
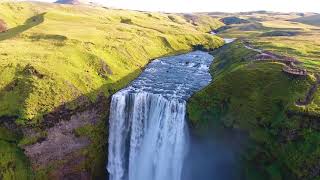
(54, 55)
(68, 46)
(13, 163)
(255, 97)
(96, 153)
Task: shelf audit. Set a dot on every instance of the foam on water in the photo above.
(148, 133)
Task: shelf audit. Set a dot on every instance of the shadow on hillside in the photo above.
(13, 96)
(28, 24)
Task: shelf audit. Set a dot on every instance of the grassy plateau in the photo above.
(55, 57)
(259, 99)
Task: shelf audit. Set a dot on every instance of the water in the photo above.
(148, 136)
(229, 40)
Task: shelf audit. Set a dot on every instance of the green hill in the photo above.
(74, 46)
(312, 20)
(57, 60)
(260, 100)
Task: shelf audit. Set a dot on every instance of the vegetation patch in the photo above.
(13, 164)
(223, 28)
(57, 61)
(126, 21)
(280, 33)
(256, 97)
(251, 27)
(233, 20)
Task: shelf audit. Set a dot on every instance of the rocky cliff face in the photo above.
(3, 26)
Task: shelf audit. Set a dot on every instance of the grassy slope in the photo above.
(255, 97)
(54, 54)
(71, 46)
(13, 163)
(312, 20)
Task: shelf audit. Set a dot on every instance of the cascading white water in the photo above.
(148, 133)
(155, 130)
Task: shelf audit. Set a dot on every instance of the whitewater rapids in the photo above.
(148, 132)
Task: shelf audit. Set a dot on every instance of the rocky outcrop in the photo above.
(295, 71)
(62, 147)
(191, 19)
(3, 26)
(60, 140)
(290, 63)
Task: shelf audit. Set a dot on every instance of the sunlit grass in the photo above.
(70, 43)
(256, 97)
(54, 54)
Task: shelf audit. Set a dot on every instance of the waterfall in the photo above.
(148, 133)
(156, 133)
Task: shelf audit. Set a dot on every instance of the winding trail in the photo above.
(290, 62)
(310, 94)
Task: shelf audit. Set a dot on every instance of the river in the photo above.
(149, 136)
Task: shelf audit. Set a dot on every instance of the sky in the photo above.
(214, 5)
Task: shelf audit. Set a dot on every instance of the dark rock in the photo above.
(315, 171)
(126, 21)
(9, 123)
(105, 68)
(172, 18)
(191, 19)
(199, 47)
(30, 70)
(11, 85)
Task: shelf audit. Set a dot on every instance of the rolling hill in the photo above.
(74, 2)
(278, 111)
(59, 65)
(312, 20)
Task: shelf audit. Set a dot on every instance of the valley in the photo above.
(59, 67)
(64, 69)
